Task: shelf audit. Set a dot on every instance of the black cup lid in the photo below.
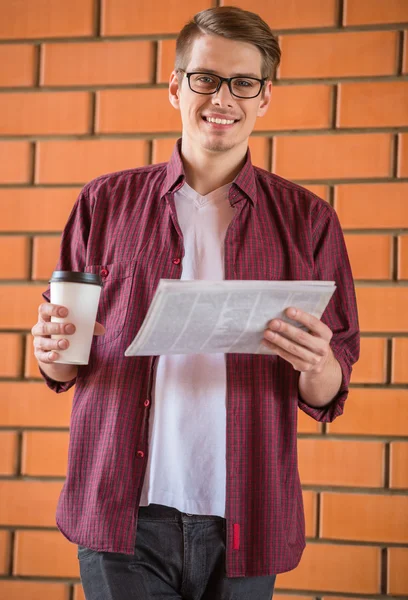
(76, 277)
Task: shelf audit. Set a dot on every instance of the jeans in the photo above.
(177, 557)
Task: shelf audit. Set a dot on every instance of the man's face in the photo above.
(227, 58)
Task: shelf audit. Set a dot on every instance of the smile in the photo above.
(220, 121)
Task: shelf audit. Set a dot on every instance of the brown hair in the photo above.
(235, 24)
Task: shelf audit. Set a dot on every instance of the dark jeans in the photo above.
(177, 557)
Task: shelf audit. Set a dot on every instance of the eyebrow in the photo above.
(211, 72)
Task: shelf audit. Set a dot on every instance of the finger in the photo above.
(299, 336)
(44, 344)
(47, 357)
(315, 325)
(44, 328)
(99, 329)
(292, 349)
(46, 310)
(296, 362)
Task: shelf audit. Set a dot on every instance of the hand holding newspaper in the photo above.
(202, 317)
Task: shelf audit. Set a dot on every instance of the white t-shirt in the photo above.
(187, 435)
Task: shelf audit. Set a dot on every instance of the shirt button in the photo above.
(146, 402)
(140, 454)
(176, 261)
(104, 272)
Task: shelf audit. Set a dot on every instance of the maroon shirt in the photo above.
(124, 227)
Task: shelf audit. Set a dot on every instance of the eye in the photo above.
(205, 79)
(244, 83)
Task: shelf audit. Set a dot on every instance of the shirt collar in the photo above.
(175, 176)
(175, 171)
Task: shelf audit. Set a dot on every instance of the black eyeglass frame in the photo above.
(228, 81)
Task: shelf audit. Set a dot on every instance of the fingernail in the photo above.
(63, 344)
(69, 328)
(292, 312)
(62, 312)
(51, 356)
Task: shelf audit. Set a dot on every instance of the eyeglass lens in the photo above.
(243, 87)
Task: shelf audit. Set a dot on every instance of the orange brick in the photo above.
(45, 113)
(28, 503)
(15, 162)
(8, 455)
(370, 256)
(332, 156)
(382, 309)
(367, 12)
(36, 203)
(405, 57)
(322, 191)
(77, 161)
(339, 54)
(24, 404)
(403, 153)
(122, 17)
(19, 306)
(79, 592)
(334, 462)
(153, 113)
(349, 569)
(372, 205)
(403, 257)
(370, 518)
(45, 453)
(281, 14)
(17, 65)
(32, 590)
(16, 247)
(399, 462)
(397, 571)
(306, 424)
(162, 149)
(4, 552)
(97, 63)
(56, 559)
(399, 360)
(371, 366)
(165, 60)
(310, 506)
(297, 107)
(46, 18)
(11, 352)
(373, 412)
(31, 370)
(45, 256)
(385, 104)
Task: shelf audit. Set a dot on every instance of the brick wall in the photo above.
(83, 92)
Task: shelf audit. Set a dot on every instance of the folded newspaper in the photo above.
(202, 317)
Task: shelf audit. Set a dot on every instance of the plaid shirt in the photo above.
(124, 227)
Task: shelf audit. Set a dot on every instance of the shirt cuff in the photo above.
(334, 409)
(57, 386)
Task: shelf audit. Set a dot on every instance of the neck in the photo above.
(207, 171)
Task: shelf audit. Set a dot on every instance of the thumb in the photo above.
(99, 329)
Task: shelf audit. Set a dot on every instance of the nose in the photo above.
(223, 97)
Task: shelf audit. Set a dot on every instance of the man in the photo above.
(182, 478)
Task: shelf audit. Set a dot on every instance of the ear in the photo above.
(174, 90)
(265, 99)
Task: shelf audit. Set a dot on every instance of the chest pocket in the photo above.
(115, 297)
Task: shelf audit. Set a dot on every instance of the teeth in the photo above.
(220, 121)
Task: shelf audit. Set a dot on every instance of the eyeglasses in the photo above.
(240, 87)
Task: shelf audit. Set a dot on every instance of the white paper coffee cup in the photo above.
(79, 293)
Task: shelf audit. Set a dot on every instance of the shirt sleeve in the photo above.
(331, 263)
(73, 254)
